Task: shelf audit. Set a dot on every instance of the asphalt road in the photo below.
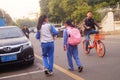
(95, 68)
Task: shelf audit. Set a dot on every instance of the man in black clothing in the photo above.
(89, 25)
(26, 31)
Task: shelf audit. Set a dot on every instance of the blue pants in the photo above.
(72, 51)
(88, 33)
(48, 55)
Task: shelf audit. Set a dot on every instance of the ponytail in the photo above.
(69, 23)
(41, 20)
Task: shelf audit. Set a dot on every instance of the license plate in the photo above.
(8, 58)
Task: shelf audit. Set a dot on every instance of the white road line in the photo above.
(68, 73)
(22, 74)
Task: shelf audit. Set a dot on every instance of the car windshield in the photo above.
(14, 32)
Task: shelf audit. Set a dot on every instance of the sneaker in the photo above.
(80, 69)
(50, 73)
(46, 71)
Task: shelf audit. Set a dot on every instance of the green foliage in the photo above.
(97, 16)
(110, 3)
(60, 10)
(57, 13)
(101, 5)
(44, 6)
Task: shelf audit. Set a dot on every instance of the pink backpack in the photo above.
(74, 36)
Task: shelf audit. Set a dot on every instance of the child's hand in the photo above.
(65, 48)
(99, 27)
(53, 37)
(87, 27)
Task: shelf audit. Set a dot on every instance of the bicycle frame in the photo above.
(94, 43)
(97, 44)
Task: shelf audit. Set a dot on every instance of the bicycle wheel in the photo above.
(100, 48)
(84, 47)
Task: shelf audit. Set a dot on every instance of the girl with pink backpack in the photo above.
(72, 38)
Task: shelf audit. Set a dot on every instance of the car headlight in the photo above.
(26, 45)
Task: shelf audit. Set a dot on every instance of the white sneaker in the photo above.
(50, 73)
(46, 71)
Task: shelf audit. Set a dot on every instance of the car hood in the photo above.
(13, 41)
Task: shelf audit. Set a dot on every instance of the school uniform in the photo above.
(47, 32)
(72, 51)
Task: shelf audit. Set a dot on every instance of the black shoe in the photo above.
(46, 71)
(80, 69)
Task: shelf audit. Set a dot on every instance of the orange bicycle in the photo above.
(97, 44)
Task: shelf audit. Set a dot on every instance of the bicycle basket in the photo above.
(99, 37)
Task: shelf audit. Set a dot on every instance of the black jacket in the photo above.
(90, 23)
(26, 32)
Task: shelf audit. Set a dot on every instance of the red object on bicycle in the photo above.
(99, 37)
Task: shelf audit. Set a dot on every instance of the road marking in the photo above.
(74, 76)
(22, 74)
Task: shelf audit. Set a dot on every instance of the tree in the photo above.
(74, 9)
(110, 3)
(60, 10)
(44, 6)
(57, 13)
(26, 21)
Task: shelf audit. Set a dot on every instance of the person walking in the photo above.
(46, 33)
(26, 31)
(72, 50)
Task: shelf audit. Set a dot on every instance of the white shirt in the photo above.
(46, 35)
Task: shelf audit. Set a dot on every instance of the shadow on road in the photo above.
(12, 68)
